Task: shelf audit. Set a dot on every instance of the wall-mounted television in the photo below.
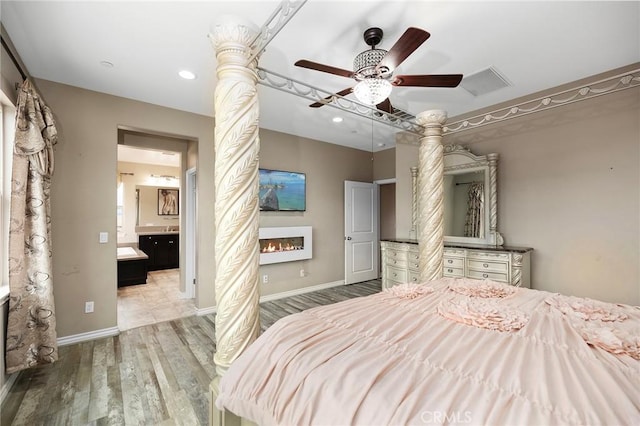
(282, 191)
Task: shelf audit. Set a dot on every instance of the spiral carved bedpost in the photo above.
(236, 193)
(431, 195)
(413, 233)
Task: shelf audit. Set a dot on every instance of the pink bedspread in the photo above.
(444, 352)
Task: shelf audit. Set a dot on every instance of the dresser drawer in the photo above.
(488, 256)
(452, 272)
(396, 274)
(480, 275)
(413, 256)
(398, 263)
(414, 277)
(413, 265)
(453, 262)
(395, 254)
(479, 265)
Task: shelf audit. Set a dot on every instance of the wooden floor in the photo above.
(152, 375)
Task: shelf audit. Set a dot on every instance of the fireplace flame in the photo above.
(277, 245)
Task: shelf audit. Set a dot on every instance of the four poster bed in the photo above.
(442, 350)
(446, 351)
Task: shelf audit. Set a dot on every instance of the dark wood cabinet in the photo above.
(162, 249)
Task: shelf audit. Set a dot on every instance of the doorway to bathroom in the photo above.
(151, 214)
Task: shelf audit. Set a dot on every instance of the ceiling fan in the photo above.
(373, 70)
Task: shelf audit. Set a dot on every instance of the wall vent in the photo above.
(483, 82)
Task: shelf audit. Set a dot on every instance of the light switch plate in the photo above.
(104, 237)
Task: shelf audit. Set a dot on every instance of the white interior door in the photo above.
(361, 231)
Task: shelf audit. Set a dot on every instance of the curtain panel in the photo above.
(31, 326)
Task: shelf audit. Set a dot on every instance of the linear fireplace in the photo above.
(284, 244)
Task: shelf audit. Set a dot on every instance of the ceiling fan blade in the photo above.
(324, 68)
(385, 106)
(436, 80)
(344, 92)
(406, 44)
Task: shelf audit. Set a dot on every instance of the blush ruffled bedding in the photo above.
(443, 352)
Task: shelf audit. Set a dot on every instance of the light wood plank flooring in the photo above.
(151, 375)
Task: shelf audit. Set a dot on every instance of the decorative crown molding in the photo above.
(565, 97)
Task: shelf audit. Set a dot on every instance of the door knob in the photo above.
(348, 238)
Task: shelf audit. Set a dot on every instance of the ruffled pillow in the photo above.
(587, 309)
(482, 288)
(616, 340)
(409, 291)
(483, 314)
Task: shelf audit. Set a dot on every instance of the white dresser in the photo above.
(511, 265)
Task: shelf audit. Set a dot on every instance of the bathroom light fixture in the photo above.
(164, 176)
(187, 75)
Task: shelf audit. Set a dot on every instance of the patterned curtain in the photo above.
(31, 328)
(473, 226)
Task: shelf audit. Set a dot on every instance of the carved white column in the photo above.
(431, 195)
(413, 233)
(236, 192)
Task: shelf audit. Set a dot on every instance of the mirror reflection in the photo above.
(464, 204)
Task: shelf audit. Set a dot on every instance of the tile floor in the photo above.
(156, 301)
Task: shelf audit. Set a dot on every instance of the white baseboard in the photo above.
(206, 311)
(296, 292)
(6, 387)
(91, 335)
(282, 295)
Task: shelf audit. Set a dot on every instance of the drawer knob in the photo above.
(486, 265)
(485, 275)
(395, 275)
(449, 261)
(415, 279)
(449, 270)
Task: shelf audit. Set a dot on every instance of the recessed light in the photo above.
(337, 119)
(187, 75)
(106, 64)
(382, 144)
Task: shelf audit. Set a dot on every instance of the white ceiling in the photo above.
(535, 45)
(132, 154)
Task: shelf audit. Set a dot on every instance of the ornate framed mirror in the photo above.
(470, 197)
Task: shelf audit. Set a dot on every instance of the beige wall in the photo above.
(568, 186)
(384, 164)
(84, 192)
(327, 166)
(86, 162)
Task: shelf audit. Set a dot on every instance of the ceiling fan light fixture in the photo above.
(372, 91)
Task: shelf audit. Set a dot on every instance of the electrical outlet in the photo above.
(88, 307)
(265, 279)
(302, 273)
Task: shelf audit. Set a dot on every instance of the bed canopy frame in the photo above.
(236, 196)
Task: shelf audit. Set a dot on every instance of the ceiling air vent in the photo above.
(484, 82)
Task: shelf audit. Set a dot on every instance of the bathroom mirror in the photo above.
(148, 213)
